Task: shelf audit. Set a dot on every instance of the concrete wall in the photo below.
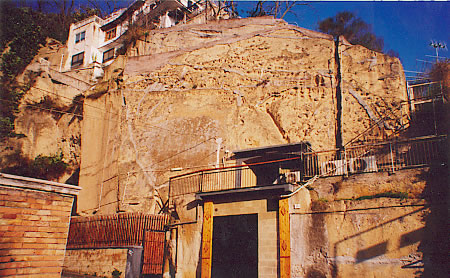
(34, 224)
(340, 228)
(97, 262)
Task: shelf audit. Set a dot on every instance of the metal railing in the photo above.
(386, 156)
(424, 90)
(87, 21)
(381, 157)
(117, 230)
(231, 177)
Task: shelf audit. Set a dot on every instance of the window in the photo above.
(111, 34)
(80, 36)
(108, 55)
(77, 59)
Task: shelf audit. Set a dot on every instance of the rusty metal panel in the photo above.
(154, 243)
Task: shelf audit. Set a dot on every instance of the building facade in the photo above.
(95, 41)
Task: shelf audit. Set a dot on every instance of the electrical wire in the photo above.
(103, 110)
(36, 106)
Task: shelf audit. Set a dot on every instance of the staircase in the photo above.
(395, 121)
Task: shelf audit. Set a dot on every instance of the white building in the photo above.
(95, 41)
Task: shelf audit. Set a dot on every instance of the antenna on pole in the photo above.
(438, 45)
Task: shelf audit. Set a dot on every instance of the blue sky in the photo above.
(406, 26)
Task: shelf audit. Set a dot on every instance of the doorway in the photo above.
(235, 246)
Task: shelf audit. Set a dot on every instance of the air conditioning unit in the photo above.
(334, 168)
(293, 177)
(363, 164)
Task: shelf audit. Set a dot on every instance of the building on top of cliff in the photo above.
(96, 41)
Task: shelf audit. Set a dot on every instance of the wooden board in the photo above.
(208, 210)
(285, 239)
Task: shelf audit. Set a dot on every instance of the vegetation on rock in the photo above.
(353, 28)
(41, 167)
(388, 194)
(27, 32)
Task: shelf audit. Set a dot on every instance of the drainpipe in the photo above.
(60, 64)
(219, 143)
(338, 127)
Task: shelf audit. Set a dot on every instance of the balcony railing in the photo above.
(387, 156)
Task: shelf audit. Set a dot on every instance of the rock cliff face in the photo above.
(187, 91)
(50, 112)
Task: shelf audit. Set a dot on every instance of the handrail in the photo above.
(236, 166)
(423, 84)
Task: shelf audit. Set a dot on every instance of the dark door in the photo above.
(235, 246)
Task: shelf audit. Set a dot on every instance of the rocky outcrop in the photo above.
(252, 82)
(50, 112)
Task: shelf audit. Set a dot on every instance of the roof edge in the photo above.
(272, 147)
(38, 184)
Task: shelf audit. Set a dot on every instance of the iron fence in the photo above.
(117, 230)
(387, 156)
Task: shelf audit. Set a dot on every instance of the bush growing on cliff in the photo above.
(41, 167)
(9, 107)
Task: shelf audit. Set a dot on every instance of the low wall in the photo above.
(122, 262)
(34, 224)
(96, 262)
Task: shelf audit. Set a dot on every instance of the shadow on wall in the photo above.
(428, 118)
(371, 252)
(433, 237)
(435, 241)
(380, 249)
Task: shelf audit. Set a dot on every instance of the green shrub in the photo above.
(388, 194)
(41, 167)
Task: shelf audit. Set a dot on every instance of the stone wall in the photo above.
(339, 227)
(34, 223)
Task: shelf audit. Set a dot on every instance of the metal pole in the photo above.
(345, 163)
(434, 117)
(392, 158)
(60, 64)
(201, 182)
